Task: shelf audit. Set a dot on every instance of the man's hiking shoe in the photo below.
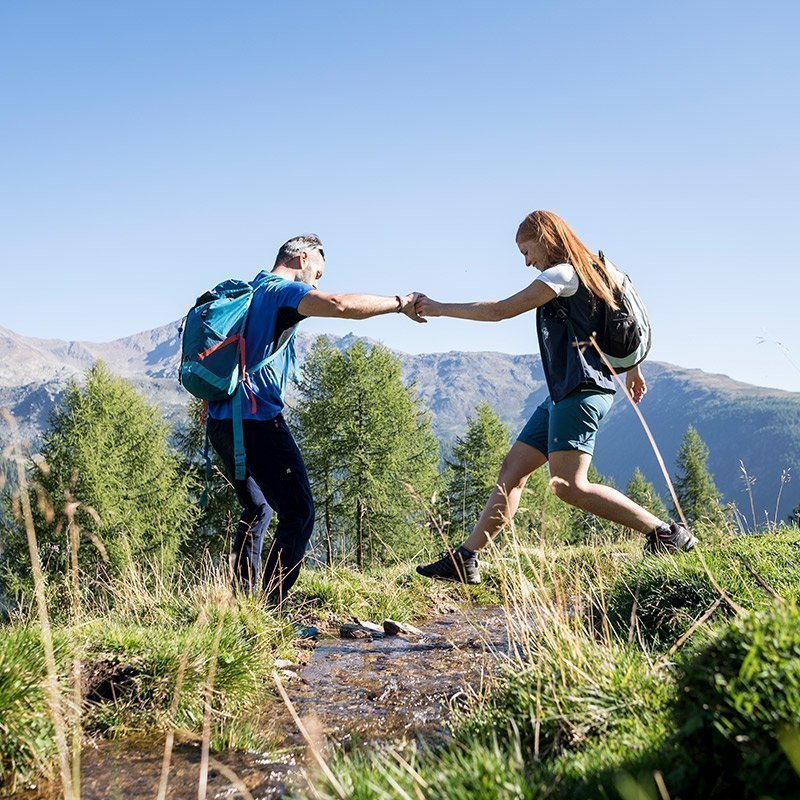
(677, 539)
(455, 566)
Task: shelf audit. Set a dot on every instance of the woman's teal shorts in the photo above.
(569, 424)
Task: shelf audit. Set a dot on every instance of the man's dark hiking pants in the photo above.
(276, 477)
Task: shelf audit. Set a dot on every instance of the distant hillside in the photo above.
(759, 426)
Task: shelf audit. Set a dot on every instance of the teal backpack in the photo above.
(214, 364)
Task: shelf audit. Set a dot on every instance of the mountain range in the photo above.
(742, 424)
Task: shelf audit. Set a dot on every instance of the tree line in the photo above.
(111, 469)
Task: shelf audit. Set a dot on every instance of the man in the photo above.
(276, 475)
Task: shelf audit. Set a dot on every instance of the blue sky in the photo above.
(152, 149)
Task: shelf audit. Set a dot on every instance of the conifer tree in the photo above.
(794, 517)
(317, 420)
(217, 506)
(369, 449)
(473, 467)
(105, 456)
(642, 491)
(694, 484)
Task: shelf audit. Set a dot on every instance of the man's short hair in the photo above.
(296, 245)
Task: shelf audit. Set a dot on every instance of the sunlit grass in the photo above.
(592, 700)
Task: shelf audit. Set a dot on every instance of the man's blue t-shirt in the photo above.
(272, 318)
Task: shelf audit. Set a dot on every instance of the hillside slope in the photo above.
(740, 422)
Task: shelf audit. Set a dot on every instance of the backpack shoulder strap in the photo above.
(239, 458)
(274, 356)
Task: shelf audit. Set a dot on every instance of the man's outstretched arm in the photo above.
(356, 306)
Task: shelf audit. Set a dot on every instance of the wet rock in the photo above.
(393, 628)
(370, 626)
(355, 630)
(284, 663)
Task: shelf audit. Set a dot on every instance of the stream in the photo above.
(368, 692)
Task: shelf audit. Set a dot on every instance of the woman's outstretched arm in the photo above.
(533, 296)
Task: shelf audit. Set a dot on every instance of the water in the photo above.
(351, 691)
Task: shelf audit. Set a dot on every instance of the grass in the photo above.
(137, 630)
(595, 700)
(670, 594)
(582, 709)
(394, 592)
(27, 743)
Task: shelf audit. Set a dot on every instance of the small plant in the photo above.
(27, 742)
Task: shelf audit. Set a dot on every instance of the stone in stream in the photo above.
(361, 630)
(370, 626)
(393, 628)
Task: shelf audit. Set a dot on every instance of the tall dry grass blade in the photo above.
(786, 476)
(202, 787)
(73, 536)
(312, 745)
(54, 698)
(749, 481)
(662, 465)
(408, 768)
(739, 609)
(661, 785)
(173, 708)
(234, 779)
(701, 620)
(759, 580)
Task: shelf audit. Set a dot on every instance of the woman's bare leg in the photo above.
(569, 480)
(504, 500)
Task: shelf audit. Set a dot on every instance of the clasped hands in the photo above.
(417, 306)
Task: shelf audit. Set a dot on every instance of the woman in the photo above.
(563, 428)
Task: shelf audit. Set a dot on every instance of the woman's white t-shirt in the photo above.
(564, 281)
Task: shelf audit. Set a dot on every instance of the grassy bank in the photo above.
(140, 632)
(633, 677)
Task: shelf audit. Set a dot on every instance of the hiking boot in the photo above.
(677, 539)
(456, 566)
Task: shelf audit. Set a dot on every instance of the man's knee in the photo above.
(297, 519)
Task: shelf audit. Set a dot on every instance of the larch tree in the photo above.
(473, 467)
(694, 484)
(370, 451)
(642, 491)
(107, 470)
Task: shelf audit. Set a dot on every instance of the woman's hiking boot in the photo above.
(670, 540)
(458, 566)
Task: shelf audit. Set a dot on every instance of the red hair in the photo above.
(564, 247)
